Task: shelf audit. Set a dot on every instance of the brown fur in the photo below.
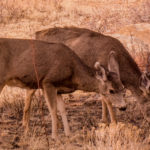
(91, 46)
(17, 56)
(58, 68)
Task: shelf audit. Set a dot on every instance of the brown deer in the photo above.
(59, 70)
(91, 46)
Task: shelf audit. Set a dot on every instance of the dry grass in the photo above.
(33, 15)
(120, 137)
(138, 49)
(123, 136)
(21, 18)
(14, 10)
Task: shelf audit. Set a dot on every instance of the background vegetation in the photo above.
(127, 20)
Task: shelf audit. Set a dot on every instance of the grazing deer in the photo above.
(91, 46)
(59, 70)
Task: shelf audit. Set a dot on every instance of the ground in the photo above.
(128, 21)
(84, 114)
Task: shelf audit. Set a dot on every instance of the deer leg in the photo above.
(1, 88)
(61, 108)
(26, 112)
(111, 112)
(50, 94)
(104, 112)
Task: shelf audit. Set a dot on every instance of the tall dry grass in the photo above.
(102, 16)
(21, 18)
(15, 10)
(120, 137)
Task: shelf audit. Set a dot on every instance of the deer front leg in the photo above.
(61, 108)
(50, 94)
(111, 112)
(1, 87)
(104, 112)
(26, 112)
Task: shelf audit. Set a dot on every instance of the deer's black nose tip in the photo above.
(123, 108)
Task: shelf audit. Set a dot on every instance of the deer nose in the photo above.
(123, 108)
(111, 91)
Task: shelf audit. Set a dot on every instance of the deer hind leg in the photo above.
(50, 94)
(26, 112)
(111, 112)
(104, 113)
(61, 108)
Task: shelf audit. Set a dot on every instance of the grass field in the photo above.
(128, 20)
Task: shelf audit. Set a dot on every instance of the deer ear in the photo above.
(113, 65)
(100, 72)
(148, 63)
(143, 82)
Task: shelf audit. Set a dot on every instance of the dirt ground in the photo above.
(21, 19)
(84, 114)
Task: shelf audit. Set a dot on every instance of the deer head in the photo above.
(110, 79)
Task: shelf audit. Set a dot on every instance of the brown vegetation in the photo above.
(20, 19)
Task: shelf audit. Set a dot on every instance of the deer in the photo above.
(59, 70)
(92, 46)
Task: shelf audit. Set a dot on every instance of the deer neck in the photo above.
(86, 82)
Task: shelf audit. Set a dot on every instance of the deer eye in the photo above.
(111, 91)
